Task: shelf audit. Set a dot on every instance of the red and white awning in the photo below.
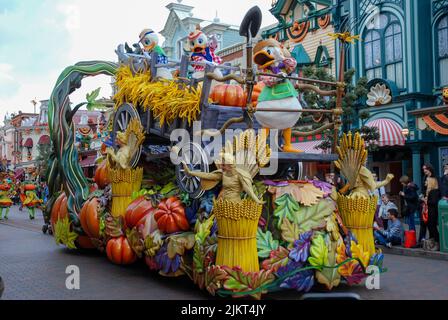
(391, 133)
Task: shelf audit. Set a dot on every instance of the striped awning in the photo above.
(391, 133)
(89, 161)
(438, 122)
(309, 147)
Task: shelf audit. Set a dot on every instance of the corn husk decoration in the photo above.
(237, 218)
(125, 179)
(358, 208)
(166, 99)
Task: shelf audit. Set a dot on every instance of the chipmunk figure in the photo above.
(279, 93)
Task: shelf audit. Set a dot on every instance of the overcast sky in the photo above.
(39, 38)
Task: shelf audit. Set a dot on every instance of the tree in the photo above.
(351, 100)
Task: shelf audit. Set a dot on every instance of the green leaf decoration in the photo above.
(309, 218)
(91, 97)
(319, 253)
(215, 276)
(266, 243)
(286, 208)
(169, 190)
(63, 234)
(114, 227)
(330, 277)
(290, 232)
(203, 229)
(239, 281)
(279, 258)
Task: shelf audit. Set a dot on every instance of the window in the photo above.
(383, 49)
(442, 52)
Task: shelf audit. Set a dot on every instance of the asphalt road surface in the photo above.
(33, 268)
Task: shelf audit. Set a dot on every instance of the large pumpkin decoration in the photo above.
(137, 212)
(89, 218)
(84, 242)
(228, 95)
(120, 252)
(102, 175)
(171, 217)
(59, 210)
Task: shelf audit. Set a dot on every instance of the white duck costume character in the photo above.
(203, 50)
(150, 42)
(279, 93)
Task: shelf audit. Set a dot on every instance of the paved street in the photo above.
(33, 267)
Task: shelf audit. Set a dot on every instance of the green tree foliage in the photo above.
(354, 94)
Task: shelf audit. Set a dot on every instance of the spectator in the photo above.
(432, 200)
(394, 234)
(429, 172)
(444, 183)
(411, 199)
(383, 212)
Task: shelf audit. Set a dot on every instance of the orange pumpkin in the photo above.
(85, 243)
(228, 95)
(102, 175)
(89, 218)
(120, 252)
(170, 216)
(137, 212)
(59, 210)
(256, 93)
(4, 187)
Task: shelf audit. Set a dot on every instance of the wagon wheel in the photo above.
(196, 159)
(123, 116)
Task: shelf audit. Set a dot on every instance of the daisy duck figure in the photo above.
(279, 93)
(203, 50)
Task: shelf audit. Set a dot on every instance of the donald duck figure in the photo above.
(279, 93)
(203, 50)
(150, 41)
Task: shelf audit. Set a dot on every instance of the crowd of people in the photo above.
(389, 230)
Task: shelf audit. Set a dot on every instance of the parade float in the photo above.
(232, 230)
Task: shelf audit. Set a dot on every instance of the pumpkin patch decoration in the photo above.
(228, 95)
(89, 218)
(102, 175)
(137, 212)
(170, 216)
(120, 252)
(59, 210)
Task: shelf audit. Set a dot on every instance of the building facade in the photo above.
(404, 53)
(181, 21)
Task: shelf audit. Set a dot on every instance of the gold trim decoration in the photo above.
(237, 229)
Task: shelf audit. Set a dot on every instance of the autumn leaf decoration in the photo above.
(319, 253)
(304, 193)
(241, 282)
(63, 234)
(266, 243)
(286, 207)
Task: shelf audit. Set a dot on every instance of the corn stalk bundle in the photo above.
(166, 99)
